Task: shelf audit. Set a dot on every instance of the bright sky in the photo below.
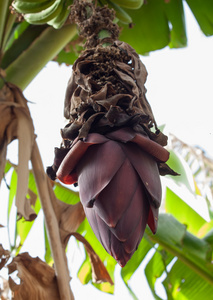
(180, 91)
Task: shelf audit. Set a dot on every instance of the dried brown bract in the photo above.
(92, 20)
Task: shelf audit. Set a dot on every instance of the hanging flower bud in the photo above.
(119, 186)
(111, 146)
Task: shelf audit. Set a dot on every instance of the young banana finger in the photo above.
(45, 15)
(31, 1)
(60, 19)
(132, 4)
(31, 7)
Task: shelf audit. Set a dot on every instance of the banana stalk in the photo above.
(8, 27)
(3, 17)
(22, 71)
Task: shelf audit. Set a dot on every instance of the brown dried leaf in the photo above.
(99, 271)
(4, 256)
(70, 220)
(69, 217)
(4, 294)
(6, 99)
(38, 280)
(17, 124)
(25, 134)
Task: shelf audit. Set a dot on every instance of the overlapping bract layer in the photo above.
(119, 186)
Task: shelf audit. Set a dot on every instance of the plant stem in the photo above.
(191, 264)
(42, 182)
(4, 6)
(51, 41)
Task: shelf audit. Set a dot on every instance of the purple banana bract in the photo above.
(119, 186)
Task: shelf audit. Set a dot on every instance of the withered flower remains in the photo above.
(111, 146)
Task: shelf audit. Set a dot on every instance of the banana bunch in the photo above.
(55, 12)
(52, 12)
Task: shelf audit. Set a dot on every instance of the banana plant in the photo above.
(35, 32)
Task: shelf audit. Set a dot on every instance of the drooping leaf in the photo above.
(203, 12)
(99, 271)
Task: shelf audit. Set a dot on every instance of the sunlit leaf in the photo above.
(105, 287)
(8, 166)
(208, 226)
(183, 212)
(186, 284)
(85, 271)
(65, 194)
(24, 227)
(177, 163)
(156, 267)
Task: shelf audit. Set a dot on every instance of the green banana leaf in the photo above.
(176, 206)
(175, 248)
